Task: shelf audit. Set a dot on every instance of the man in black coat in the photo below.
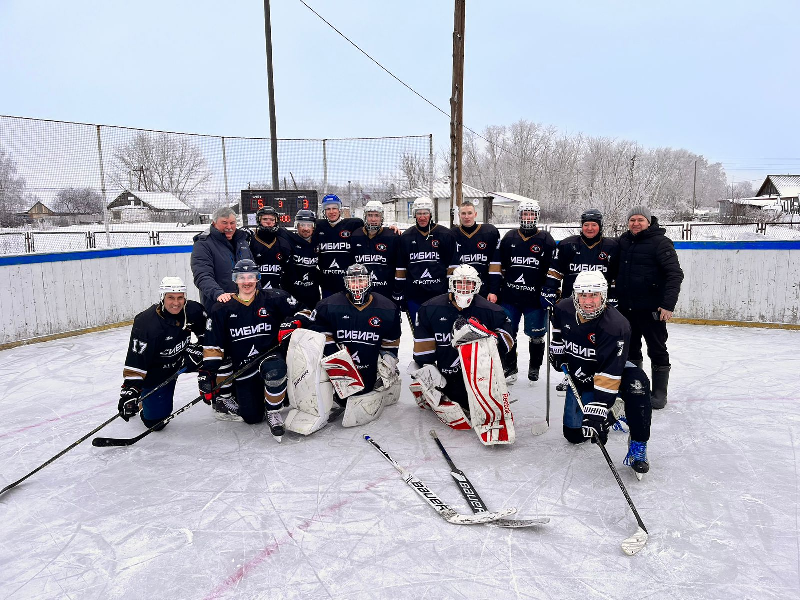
(648, 284)
(214, 254)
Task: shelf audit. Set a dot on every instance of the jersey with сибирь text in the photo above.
(575, 254)
(422, 262)
(525, 260)
(333, 244)
(379, 255)
(479, 248)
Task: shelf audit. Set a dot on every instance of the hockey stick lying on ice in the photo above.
(636, 542)
(474, 500)
(91, 433)
(103, 442)
(446, 512)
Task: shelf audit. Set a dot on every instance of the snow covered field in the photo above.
(209, 509)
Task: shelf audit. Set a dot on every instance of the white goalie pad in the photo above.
(343, 373)
(363, 409)
(423, 388)
(309, 389)
(389, 377)
(487, 392)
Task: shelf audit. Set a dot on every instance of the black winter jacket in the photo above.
(649, 275)
(213, 258)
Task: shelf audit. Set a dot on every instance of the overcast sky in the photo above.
(719, 78)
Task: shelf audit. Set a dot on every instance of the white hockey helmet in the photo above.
(590, 282)
(373, 206)
(423, 203)
(464, 283)
(528, 221)
(171, 285)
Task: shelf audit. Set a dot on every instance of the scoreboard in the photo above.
(285, 202)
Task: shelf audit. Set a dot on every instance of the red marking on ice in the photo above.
(46, 421)
(265, 553)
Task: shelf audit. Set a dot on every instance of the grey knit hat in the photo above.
(641, 210)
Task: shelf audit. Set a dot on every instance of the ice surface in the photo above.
(209, 509)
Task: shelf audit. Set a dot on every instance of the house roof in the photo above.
(159, 200)
(787, 185)
(508, 197)
(441, 189)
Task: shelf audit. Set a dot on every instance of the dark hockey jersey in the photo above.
(364, 330)
(422, 262)
(272, 257)
(433, 330)
(242, 331)
(573, 255)
(379, 255)
(158, 340)
(595, 351)
(333, 243)
(302, 278)
(480, 249)
(525, 261)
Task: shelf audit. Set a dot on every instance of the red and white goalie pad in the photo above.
(343, 373)
(309, 389)
(487, 392)
(423, 387)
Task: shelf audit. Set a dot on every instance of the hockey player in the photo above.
(445, 323)
(303, 274)
(589, 251)
(271, 252)
(525, 257)
(333, 243)
(592, 339)
(349, 346)
(375, 247)
(243, 330)
(159, 346)
(423, 259)
(478, 245)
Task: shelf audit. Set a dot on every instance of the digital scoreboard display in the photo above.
(285, 202)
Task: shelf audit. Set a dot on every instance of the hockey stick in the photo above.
(474, 500)
(446, 512)
(636, 542)
(541, 427)
(91, 433)
(102, 442)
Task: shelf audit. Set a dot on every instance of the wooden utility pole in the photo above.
(694, 190)
(457, 110)
(273, 136)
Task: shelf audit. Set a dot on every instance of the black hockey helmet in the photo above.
(267, 210)
(245, 266)
(305, 216)
(592, 214)
(357, 283)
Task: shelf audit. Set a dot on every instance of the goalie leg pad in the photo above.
(363, 408)
(310, 391)
(424, 388)
(487, 392)
(343, 373)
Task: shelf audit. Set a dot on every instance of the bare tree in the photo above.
(12, 190)
(160, 162)
(415, 170)
(79, 200)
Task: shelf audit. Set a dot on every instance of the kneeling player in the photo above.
(243, 330)
(361, 332)
(592, 339)
(160, 345)
(459, 339)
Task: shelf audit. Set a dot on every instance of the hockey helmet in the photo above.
(463, 284)
(373, 206)
(357, 283)
(528, 214)
(423, 203)
(171, 285)
(590, 282)
(267, 210)
(305, 216)
(245, 266)
(331, 200)
(592, 214)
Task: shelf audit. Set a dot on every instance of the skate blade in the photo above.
(638, 475)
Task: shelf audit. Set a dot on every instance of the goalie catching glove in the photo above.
(466, 332)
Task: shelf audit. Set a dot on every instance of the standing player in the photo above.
(303, 274)
(423, 258)
(333, 242)
(592, 339)
(243, 330)
(375, 247)
(589, 251)
(525, 257)
(271, 252)
(159, 346)
(478, 245)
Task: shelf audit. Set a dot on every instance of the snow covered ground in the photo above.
(209, 509)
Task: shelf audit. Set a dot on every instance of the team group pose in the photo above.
(316, 312)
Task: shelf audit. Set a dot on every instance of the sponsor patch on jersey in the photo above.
(262, 312)
(602, 256)
(344, 233)
(592, 338)
(291, 301)
(434, 243)
(375, 321)
(620, 347)
(536, 249)
(380, 247)
(278, 256)
(481, 245)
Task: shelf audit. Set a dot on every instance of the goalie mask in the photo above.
(528, 213)
(589, 294)
(373, 207)
(357, 283)
(463, 284)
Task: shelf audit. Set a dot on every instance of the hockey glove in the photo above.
(556, 355)
(286, 331)
(548, 297)
(128, 402)
(595, 421)
(205, 384)
(193, 358)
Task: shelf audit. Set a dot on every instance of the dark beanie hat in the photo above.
(641, 210)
